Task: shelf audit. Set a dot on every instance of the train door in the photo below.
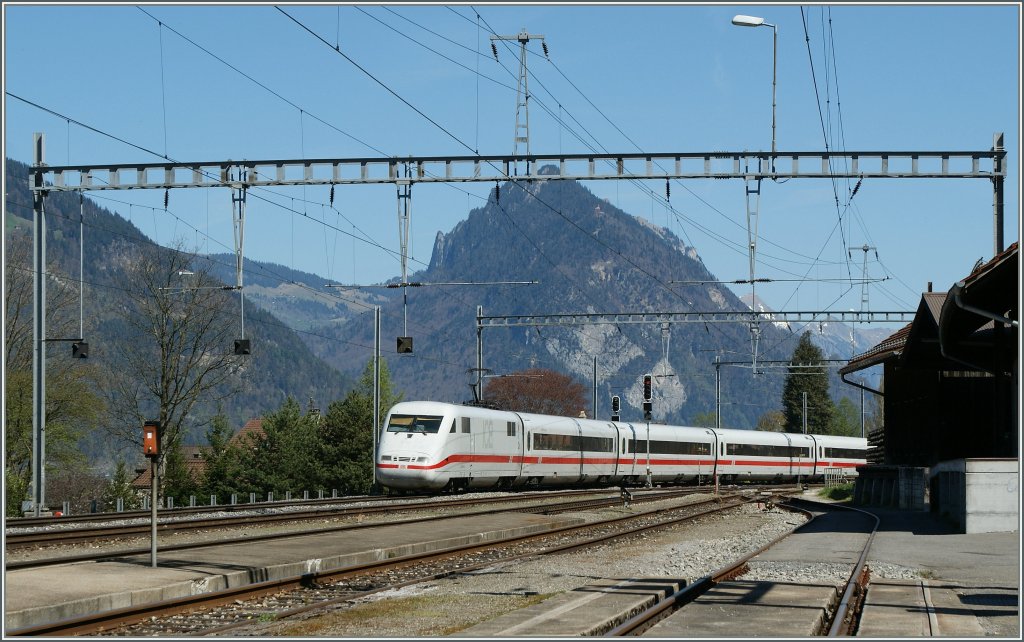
(521, 445)
(800, 455)
(631, 449)
(466, 438)
(792, 469)
(617, 451)
(579, 438)
(816, 453)
(707, 469)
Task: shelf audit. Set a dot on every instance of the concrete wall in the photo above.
(979, 495)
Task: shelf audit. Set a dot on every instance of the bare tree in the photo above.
(178, 350)
(772, 421)
(18, 294)
(72, 405)
(538, 390)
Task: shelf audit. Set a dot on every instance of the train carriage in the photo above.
(565, 450)
(764, 456)
(674, 454)
(432, 446)
(839, 456)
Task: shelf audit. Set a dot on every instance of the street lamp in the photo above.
(751, 21)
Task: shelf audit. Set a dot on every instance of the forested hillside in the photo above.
(279, 366)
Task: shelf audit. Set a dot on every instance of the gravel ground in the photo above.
(442, 607)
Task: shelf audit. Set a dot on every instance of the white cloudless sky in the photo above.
(657, 78)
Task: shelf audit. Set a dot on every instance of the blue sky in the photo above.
(657, 78)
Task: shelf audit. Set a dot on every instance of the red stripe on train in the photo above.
(640, 460)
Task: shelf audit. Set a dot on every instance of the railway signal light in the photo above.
(647, 387)
(151, 439)
(615, 407)
(80, 350)
(242, 347)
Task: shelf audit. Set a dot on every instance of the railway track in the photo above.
(220, 611)
(574, 504)
(182, 511)
(142, 528)
(841, 621)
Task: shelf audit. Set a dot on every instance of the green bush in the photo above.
(839, 493)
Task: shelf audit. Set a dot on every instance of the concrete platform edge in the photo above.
(51, 613)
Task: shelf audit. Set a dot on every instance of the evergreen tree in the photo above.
(846, 419)
(177, 479)
(814, 381)
(221, 477)
(705, 419)
(346, 448)
(120, 487)
(15, 491)
(282, 459)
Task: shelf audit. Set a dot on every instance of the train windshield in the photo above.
(415, 423)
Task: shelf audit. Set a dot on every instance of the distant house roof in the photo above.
(194, 461)
(253, 427)
(194, 454)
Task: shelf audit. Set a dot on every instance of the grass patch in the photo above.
(839, 493)
(424, 607)
(522, 603)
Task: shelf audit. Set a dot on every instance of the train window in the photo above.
(511, 432)
(597, 444)
(465, 424)
(546, 441)
(845, 453)
(414, 423)
(674, 447)
(765, 450)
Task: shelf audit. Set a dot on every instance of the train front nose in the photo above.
(407, 458)
(407, 469)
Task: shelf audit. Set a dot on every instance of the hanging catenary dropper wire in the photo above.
(81, 265)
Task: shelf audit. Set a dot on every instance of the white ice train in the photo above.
(432, 446)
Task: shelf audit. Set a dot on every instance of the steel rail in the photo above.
(107, 620)
(643, 620)
(845, 618)
(549, 551)
(552, 508)
(28, 522)
(20, 540)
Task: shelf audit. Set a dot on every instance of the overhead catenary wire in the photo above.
(260, 321)
(465, 145)
(336, 44)
(260, 84)
(131, 205)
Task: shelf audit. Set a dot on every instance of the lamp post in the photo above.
(751, 21)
